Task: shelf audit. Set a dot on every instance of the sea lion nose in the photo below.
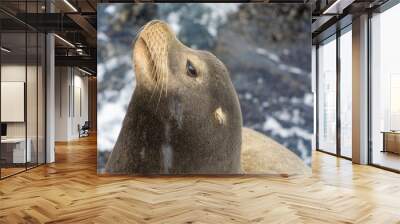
(158, 26)
(157, 35)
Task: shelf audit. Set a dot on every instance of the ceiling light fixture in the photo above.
(79, 51)
(70, 5)
(84, 71)
(65, 41)
(5, 50)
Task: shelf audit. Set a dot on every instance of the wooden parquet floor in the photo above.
(70, 191)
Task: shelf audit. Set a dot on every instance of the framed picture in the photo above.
(204, 89)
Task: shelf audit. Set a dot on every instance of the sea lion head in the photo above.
(165, 66)
(190, 106)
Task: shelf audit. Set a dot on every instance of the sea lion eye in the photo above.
(191, 71)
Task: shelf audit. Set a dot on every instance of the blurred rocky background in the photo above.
(266, 48)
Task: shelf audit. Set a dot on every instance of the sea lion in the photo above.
(263, 155)
(184, 116)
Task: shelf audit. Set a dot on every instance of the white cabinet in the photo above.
(19, 155)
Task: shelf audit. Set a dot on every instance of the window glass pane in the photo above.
(14, 153)
(22, 87)
(346, 94)
(32, 86)
(31, 97)
(327, 96)
(385, 88)
(41, 98)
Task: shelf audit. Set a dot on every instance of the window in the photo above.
(385, 89)
(346, 93)
(22, 77)
(327, 96)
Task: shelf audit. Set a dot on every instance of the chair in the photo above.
(84, 130)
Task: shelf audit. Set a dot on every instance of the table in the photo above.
(13, 150)
(391, 141)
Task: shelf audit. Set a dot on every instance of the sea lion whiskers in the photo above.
(143, 37)
(164, 69)
(165, 65)
(155, 40)
(155, 73)
(166, 84)
(161, 69)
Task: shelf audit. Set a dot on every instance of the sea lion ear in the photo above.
(220, 116)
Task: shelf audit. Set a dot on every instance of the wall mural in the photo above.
(204, 88)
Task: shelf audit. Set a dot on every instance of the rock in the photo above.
(263, 155)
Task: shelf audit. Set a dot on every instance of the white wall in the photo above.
(71, 94)
(17, 73)
(12, 73)
(80, 102)
(62, 81)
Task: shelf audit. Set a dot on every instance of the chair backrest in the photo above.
(86, 124)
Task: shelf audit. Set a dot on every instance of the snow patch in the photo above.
(272, 125)
(284, 116)
(271, 56)
(111, 9)
(173, 21)
(219, 14)
(101, 36)
(111, 114)
(248, 96)
(292, 69)
(309, 99)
